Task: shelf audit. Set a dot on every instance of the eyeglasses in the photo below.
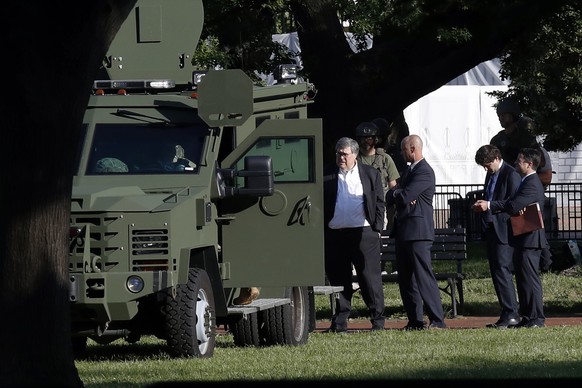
(342, 154)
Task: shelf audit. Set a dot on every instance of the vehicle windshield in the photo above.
(146, 149)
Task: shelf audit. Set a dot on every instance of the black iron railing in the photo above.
(562, 209)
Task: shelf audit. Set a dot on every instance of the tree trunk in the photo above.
(52, 51)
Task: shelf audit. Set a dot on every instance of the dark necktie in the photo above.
(489, 193)
(491, 187)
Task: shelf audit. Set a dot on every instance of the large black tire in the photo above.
(245, 331)
(190, 317)
(287, 324)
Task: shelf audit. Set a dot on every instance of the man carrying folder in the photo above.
(527, 246)
(501, 182)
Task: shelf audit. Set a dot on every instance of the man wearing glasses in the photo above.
(354, 218)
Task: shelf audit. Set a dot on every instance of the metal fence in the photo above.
(562, 209)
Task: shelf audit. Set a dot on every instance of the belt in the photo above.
(350, 229)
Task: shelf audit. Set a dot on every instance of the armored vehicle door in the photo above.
(277, 240)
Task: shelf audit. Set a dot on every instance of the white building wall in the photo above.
(567, 165)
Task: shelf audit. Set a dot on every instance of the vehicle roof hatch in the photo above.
(156, 40)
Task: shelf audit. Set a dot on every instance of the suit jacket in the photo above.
(530, 190)
(374, 205)
(507, 183)
(414, 222)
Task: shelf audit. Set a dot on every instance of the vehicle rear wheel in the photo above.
(190, 317)
(287, 324)
(245, 331)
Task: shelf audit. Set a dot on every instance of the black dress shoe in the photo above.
(414, 326)
(437, 325)
(523, 323)
(504, 323)
(529, 324)
(378, 324)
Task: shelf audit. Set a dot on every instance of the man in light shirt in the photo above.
(354, 218)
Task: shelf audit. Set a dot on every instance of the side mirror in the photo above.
(259, 179)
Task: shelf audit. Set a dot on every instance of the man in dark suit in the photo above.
(354, 218)
(528, 246)
(501, 182)
(414, 233)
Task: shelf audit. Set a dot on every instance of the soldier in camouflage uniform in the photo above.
(511, 138)
(391, 136)
(368, 137)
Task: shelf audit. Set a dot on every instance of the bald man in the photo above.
(414, 234)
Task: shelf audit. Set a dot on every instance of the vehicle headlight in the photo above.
(134, 284)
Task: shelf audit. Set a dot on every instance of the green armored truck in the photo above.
(190, 187)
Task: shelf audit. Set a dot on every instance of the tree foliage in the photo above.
(418, 46)
(249, 46)
(545, 69)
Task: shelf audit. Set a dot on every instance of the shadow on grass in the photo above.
(372, 383)
(150, 348)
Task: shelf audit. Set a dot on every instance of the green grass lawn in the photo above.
(544, 353)
(551, 352)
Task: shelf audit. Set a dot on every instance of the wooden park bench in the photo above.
(449, 247)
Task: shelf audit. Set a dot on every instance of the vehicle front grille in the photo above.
(150, 250)
(96, 233)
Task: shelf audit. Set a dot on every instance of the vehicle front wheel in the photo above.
(190, 317)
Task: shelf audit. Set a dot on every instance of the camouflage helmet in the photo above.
(366, 129)
(110, 165)
(509, 106)
(383, 126)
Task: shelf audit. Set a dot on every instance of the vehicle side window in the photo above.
(292, 157)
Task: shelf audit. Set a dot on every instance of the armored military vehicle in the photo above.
(188, 188)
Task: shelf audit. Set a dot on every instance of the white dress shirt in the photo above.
(349, 205)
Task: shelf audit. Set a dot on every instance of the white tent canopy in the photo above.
(454, 121)
(484, 74)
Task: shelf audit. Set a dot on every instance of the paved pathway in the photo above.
(461, 322)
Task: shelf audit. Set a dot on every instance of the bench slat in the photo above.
(448, 255)
(448, 239)
(449, 247)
